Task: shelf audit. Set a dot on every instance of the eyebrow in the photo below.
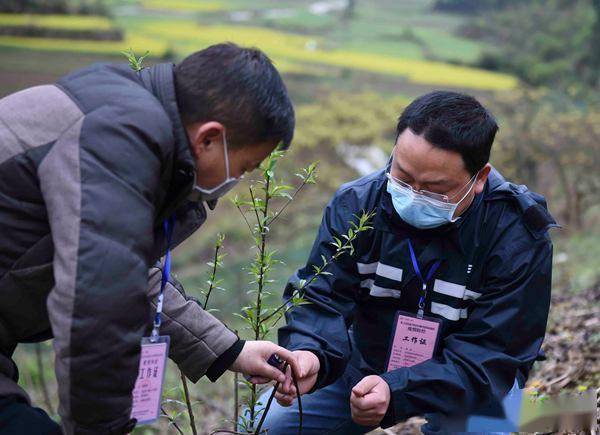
(434, 182)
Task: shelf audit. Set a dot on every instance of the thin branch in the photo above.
(282, 306)
(254, 209)
(261, 281)
(289, 201)
(213, 274)
(340, 249)
(236, 400)
(245, 219)
(298, 291)
(270, 401)
(171, 420)
(186, 391)
(282, 313)
(188, 403)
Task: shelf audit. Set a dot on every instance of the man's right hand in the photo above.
(308, 368)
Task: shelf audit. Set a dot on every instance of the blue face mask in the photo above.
(420, 209)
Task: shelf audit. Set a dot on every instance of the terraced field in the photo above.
(57, 21)
(399, 42)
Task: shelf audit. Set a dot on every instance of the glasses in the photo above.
(435, 196)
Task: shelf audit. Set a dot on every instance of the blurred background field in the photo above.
(351, 66)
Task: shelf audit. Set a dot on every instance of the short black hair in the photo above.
(455, 122)
(238, 87)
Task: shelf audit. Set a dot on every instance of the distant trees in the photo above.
(34, 6)
(114, 34)
(76, 7)
(473, 6)
(543, 42)
(590, 62)
(553, 145)
(549, 137)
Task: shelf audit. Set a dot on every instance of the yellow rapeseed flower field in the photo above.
(71, 22)
(292, 52)
(183, 5)
(188, 37)
(138, 43)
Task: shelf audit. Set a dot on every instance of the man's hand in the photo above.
(252, 361)
(369, 401)
(308, 369)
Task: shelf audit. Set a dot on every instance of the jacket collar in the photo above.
(160, 81)
(532, 206)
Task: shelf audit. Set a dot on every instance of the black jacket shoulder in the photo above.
(115, 90)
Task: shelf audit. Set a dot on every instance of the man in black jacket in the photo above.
(454, 249)
(90, 168)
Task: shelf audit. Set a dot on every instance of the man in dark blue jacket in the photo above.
(454, 249)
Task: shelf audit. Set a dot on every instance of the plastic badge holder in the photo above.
(414, 340)
(147, 392)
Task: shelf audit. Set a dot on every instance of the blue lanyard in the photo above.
(424, 282)
(168, 226)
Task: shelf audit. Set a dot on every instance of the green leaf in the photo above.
(134, 62)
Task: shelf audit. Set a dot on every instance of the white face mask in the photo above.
(224, 187)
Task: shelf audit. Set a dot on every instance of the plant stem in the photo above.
(254, 316)
(186, 391)
(299, 291)
(213, 275)
(261, 281)
(188, 403)
(236, 398)
(340, 249)
(244, 216)
(289, 201)
(254, 207)
(175, 425)
(40, 365)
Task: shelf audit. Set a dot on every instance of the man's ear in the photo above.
(482, 178)
(204, 135)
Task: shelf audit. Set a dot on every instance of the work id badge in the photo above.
(147, 392)
(414, 340)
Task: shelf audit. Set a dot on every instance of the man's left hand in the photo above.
(252, 361)
(369, 401)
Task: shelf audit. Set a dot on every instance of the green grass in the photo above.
(302, 22)
(407, 29)
(446, 46)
